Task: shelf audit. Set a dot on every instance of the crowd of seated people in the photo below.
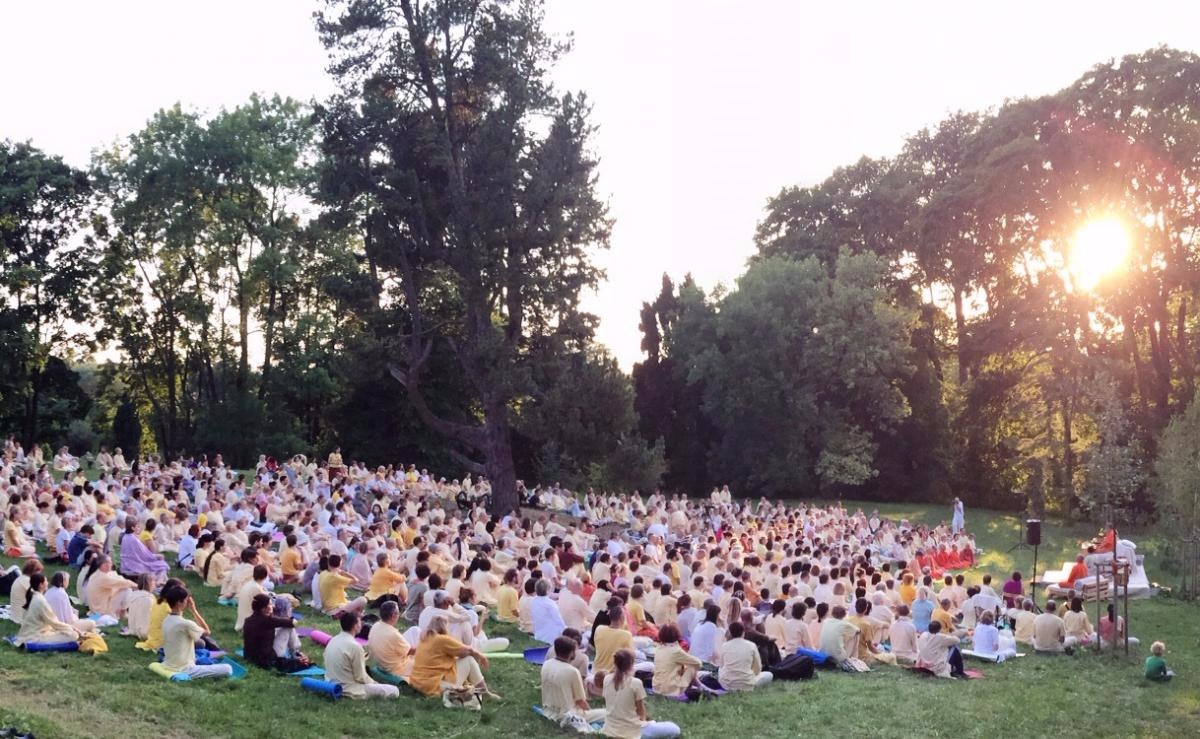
(695, 596)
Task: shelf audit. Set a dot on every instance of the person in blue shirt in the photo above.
(79, 544)
(922, 610)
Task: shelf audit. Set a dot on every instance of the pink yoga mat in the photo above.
(320, 637)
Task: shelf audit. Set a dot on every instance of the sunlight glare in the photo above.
(1100, 247)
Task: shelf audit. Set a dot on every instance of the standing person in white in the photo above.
(956, 522)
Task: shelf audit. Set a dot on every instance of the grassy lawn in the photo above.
(1085, 695)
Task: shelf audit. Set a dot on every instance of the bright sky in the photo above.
(705, 109)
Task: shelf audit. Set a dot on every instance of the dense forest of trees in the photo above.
(397, 270)
(913, 327)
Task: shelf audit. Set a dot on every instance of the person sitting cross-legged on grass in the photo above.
(1078, 627)
(444, 665)
(40, 625)
(346, 663)
(938, 652)
(333, 584)
(180, 636)
(388, 647)
(674, 669)
(1156, 666)
(258, 637)
(625, 703)
(740, 665)
(563, 695)
(1049, 632)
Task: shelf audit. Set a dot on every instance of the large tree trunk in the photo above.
(960, 329)
(1068, 457)
(501, 471)
(33, 409)
(268, 343)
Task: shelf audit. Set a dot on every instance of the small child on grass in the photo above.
(1156, 666)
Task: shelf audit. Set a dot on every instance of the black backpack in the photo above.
(368, 621)
(794, 667)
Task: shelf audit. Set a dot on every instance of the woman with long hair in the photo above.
(40, 625)
(625, 701)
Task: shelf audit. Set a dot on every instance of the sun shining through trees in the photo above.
(1100, 247)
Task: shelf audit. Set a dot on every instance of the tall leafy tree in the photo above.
(473, 184)
(45, 278)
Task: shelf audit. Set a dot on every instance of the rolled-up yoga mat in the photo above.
(333, 690)
(320, 637)
(66, 646)
(536, 655)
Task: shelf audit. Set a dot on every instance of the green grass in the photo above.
(1085, 695)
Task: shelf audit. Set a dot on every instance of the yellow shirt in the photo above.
(389, 649)
(291, 562)
(669, 659)
(944, 618)
(434, 662)
(333, 589)
(622, 720)
(608, 642)
(154, 635)
(384, 582)
(507, 604)
(179, 642)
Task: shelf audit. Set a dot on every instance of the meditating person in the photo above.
(387, 583)
(612, 636)
(445, 666)
(838, 639)
(548, 622)
(866, 646)
(107, 592)
(1156, 666)
(15, 542)
(625, 703)
(40, 625)
(1077, 625)
(938, 652)
(158, 613)
(180, 636)
(60, 603)
(902, 636)
(507, 598)
(1022, 620)
(20, 587)
(1111, 630)
(907, 589)
(138, 607)
(346, 663)
(706, 636)
(1078, 570)
(137, 559)
(216, 564)
(740, 666)
(245, 599)
(796, 634)
(333, 584)
(258, 637)
(674, 669)
(564, 698)
(1014, 591)
(388, 648)
(922, 609)
(990, 642)
(1049, 632)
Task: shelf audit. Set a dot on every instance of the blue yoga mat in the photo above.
(536, 655)
(321, 687)
(69, 646)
